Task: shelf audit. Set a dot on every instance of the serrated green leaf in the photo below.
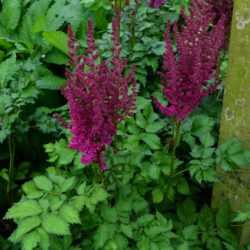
(133, 141)
(44, 242)
(239, 159)
(234, 147)
(202, 124)
(81, 189)
(154, 172)
(56, 204)
(68, 184)
(183, 246)
(145, 219)
(43, 183)
(206, 218)
(153, 62)
(56, 57)
(186, 212)
(65, 11)
(229, 236)
(190, 232)
(155, 127)
(7, 70)
(31, 240)
(138, 47)
(104, 232)
(139, 204)
(69, 214)
(242, 217)
(132, 127)
(10, 14)
(207, 140)
(142, 102)
(66, 155)
(109, 214)
(121, 242)
(4, 134)
(157, 195)
(55, 224)
(78, 202)
(58, 39)
(31, 190)
(98, 194)
(228, 246)
(149, 114)
(26, 225)
(152, 140)
(44, 203)
(163, 220)
(223, 215)
(127, 230)
(23, 209)
(51, 82)
(56, 178)
(140, 120)
(183, 186)
(40, 24)
(196, 151)
(214, 243)
(159, 49)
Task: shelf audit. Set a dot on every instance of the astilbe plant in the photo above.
(187, 77)
(97, 95)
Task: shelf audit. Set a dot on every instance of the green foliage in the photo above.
(231, 155)
(49, 208)
(10, 14)
(24, 209)
(58, 39)
(243, 216)
(202, 165)
(59, 152)
(141, 201)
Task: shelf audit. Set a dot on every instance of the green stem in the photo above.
(176, 137)
(115, 121)
(11, 163)
(132, 39)
(115, 144)
(175, 144)
(241, 225)
(180, 172)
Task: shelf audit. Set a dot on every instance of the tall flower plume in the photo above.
(220, 8)
(97, 96)
(186, 78)
(156, 3)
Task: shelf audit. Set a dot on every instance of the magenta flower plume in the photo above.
(220, 8)
(187, 77)
(97, 96)
(156, 3)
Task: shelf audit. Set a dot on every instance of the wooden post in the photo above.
(235, 119)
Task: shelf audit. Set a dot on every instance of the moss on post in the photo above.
(235, 120)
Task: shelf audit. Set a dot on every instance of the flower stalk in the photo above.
(176, 139)
(97, 94)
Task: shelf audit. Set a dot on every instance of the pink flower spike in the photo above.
(186, 78)
(97, 96)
